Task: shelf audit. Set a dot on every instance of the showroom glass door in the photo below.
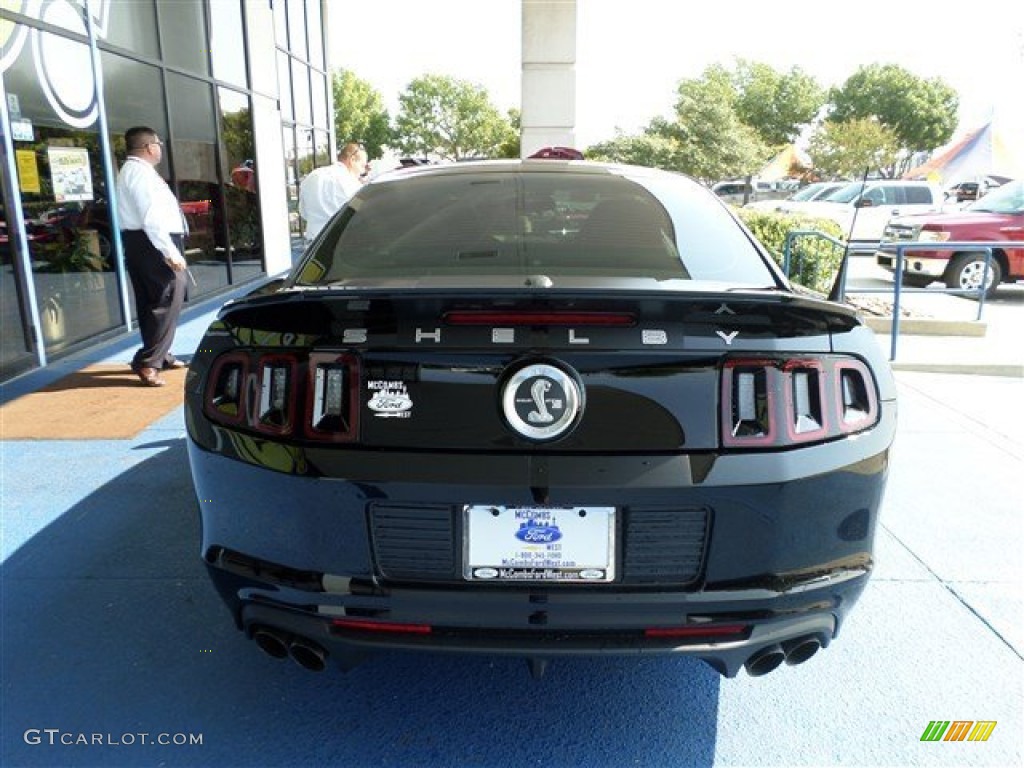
(53, 108)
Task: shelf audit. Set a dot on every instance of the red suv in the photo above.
(995, 218)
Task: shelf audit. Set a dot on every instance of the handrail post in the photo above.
(894, 331)
(984, 281)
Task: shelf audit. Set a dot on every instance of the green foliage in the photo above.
(776, 105)
(727, 123)
(921, 113)
(237, 133)
(814, 261)
(79, 253)
(511, 148)
(846, 150)
(359, 113)
(711, 141)
(450, 119)
(652, 149)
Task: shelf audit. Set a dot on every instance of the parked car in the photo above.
(862, 209)
(998, 217)
(969, 191)
(740, 191)
(538, 408)
(817, 190)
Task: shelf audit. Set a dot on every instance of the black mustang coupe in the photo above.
(539, 408)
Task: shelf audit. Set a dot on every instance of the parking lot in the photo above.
(117, 652)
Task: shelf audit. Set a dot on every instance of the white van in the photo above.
(863, 208)
(739, 191)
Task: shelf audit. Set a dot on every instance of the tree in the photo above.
(711, 141)
(511, 147)
(847, 149)
(449, 119)
(777, 106)
(706, 139)
(653, 149)
(922, 114)
(359, 113)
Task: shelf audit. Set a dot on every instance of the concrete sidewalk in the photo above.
(941, 332)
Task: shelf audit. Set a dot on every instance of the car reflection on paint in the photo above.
(456, 427)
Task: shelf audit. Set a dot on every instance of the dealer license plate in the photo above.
(539, 543)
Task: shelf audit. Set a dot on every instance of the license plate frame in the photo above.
(538, 544)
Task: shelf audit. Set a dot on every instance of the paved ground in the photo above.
(111, 630)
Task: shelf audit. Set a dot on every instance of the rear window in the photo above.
(661, 226)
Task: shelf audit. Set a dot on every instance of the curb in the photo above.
(927, 327)
(1014, 371)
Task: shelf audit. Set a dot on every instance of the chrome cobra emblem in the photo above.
(537, 391)
(541, 401)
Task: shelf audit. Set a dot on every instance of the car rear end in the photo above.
(540, 449)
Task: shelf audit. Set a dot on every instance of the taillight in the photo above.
(858, 406)
(286, 394)
(780, 402)
(224, 390)
(275, 400)
(333, 397)
(750, 389)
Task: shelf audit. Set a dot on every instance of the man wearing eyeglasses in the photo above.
(152, 228)
(326, 189)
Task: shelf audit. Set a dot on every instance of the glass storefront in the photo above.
(184, 69)
(62, 190)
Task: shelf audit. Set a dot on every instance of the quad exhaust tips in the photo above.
(313, 657)
(303, 652)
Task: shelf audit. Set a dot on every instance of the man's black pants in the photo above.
(159, 296)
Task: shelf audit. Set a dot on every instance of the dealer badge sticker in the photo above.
(541, 402)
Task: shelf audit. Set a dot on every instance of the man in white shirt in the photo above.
(326, 189)
(152, 229)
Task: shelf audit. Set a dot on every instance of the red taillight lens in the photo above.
(225, 388)
(781, 402)
(858, 406)
(749, 389)
(333, 397)
(275, 394)
(806, 416)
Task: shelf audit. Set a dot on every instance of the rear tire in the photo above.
(966, 270)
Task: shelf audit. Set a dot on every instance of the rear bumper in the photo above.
(931, 264)
(786, 557)
(762, 645)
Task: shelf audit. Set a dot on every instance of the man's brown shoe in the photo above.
(150, 377)
(173, 363)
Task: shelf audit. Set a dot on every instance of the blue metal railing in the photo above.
(792, 235)
(985, 247)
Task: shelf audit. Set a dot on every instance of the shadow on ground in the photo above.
(111, 631)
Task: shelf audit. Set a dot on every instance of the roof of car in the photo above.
(546, 165)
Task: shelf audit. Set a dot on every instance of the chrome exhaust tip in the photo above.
(308, 654)
(270, 642)
(800, 650)
(764, 661)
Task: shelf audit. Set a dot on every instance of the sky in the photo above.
(631, 54)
